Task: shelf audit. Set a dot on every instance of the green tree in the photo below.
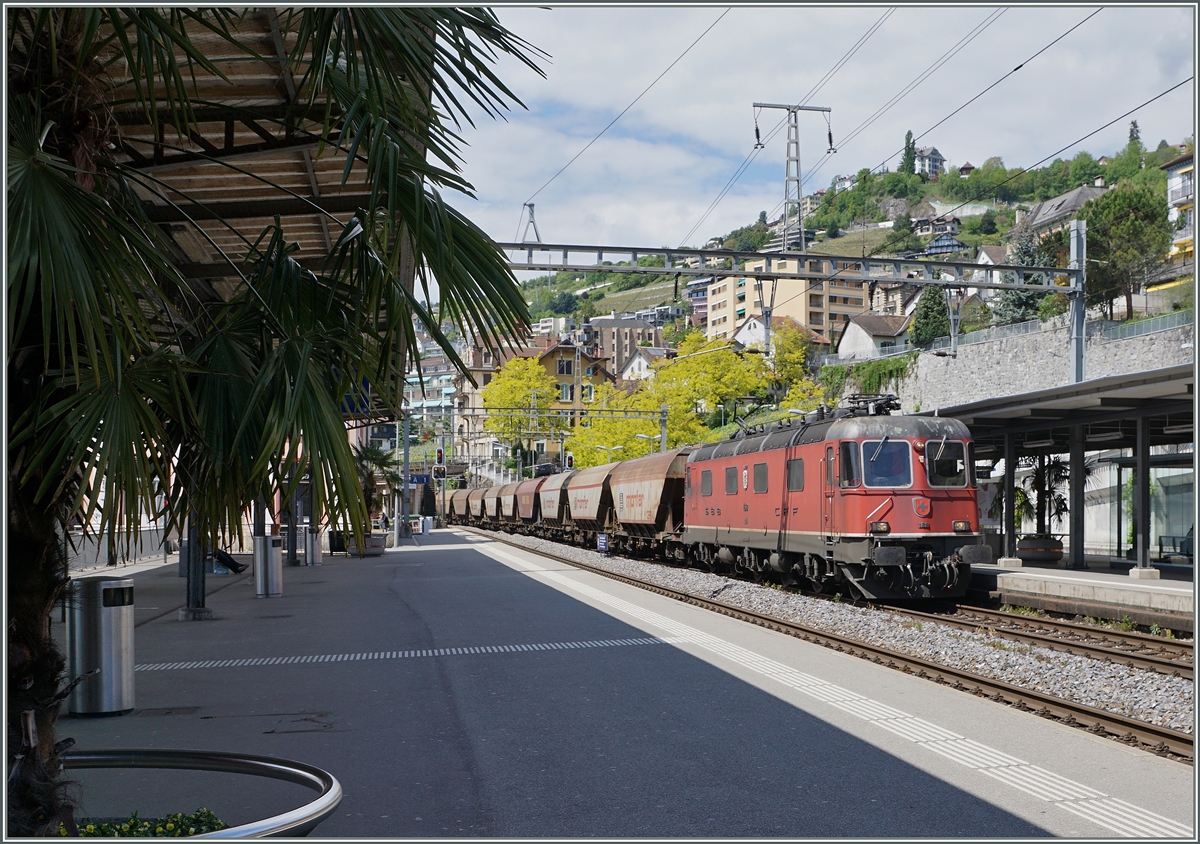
(376, 465)
(565, 302)
(128, 382)
(519, 384)
(908, 163)
(790, 347)
(987, 222)
(1020, 305)
(931, 318)
(1129, 237)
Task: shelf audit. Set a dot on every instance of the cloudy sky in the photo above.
(651, 177)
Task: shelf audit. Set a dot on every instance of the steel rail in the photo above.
(295, 823)
(1156, 739)
(1161, 664)
(1183, 647)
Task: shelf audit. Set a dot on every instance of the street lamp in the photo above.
(648, 437)
(610, 449)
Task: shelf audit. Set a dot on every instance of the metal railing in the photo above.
(296, 823)
(1184, 233)
(1110, 330)
(1125, 330)
(1177, 194)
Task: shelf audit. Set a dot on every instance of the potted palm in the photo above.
(378, 477)
(1042, 497)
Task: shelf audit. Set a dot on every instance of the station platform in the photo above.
(1099, 591)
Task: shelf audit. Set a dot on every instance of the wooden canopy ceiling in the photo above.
(253, 154)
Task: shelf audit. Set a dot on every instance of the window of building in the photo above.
(566, 392)
(795, 475)
(589, 392)
(487, 379)
(818, 301)
(731, 474)
(816, 318)
(566, 366)
(706, 482)
(760, 477)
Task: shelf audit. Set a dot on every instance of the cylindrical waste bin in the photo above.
(268, 567)
(312, 546)
(100, 636)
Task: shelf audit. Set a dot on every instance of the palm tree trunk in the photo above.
(36, 574)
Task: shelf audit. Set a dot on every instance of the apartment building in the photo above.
(821, 306)
(1181, 203)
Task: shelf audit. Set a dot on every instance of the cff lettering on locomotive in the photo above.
(858, 500)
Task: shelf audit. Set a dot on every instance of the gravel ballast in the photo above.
(1133, 692)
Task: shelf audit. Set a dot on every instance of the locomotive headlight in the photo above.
(962, 525)
(880, 527)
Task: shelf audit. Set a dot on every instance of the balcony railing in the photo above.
(1184, 233)
(1180, 194)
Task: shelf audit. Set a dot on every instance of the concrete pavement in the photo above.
(457, 693)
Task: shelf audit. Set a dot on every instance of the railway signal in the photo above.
(441, 459)
(570, 460)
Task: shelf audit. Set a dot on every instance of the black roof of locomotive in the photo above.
(855, 422)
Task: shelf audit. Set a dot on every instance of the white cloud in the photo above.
(650, 178)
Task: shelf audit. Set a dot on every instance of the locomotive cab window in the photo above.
(795, 475)
(945, 463)
(706, 482)
(849, 474)
(886, 463)
(731, 474)
(760, 477)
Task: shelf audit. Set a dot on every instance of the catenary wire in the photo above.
(905, 91)
(1016, 175)
(631, 105)
(778, 126)
(883, 164)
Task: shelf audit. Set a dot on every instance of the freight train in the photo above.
(855, 500)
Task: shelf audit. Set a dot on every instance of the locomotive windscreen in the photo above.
(946, 463)
(886, 463)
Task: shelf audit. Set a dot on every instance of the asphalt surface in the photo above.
(605, 730)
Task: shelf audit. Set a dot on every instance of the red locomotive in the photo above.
(880, 506)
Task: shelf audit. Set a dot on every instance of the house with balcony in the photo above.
(1181, 204)
(697, 297)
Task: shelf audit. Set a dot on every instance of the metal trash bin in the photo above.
(268, 566)
(312, 546)
(100, 636)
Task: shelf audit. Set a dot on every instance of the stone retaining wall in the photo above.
(1033, 362)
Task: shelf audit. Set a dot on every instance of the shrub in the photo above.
(172, 826)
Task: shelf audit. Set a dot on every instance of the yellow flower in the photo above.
(191, 830)
(170, 826)
(91, 827)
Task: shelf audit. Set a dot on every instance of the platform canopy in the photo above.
(1108, 408)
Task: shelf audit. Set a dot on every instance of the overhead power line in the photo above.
(631, 105)
(917, 81)
(1018, 174)
(778, 126)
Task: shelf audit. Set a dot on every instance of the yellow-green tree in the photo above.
(521, 384)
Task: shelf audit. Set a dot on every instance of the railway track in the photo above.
(1161, 740)
(1137, 650)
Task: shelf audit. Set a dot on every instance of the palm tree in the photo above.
(169, 342)
(375, 464)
